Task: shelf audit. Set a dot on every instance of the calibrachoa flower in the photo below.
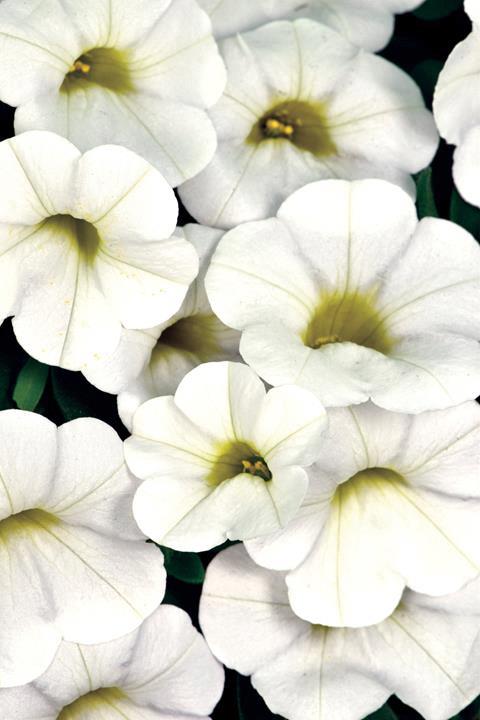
(393, 501)
(85, 247)
(162, 671)
(302, 104)
(456, 106)
(345, 293)
(222, 459)
(139, 73)
(368, 23)
(427, 651)
(73, 562)
(149, 363)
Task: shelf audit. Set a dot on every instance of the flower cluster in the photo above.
(296, 369)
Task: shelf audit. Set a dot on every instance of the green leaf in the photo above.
(184, 566)
(426, 205)
(384, 713)
(30, 384)
(76, 397)
(464, 214)
(437, 9)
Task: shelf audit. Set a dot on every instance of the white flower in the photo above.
(73, 563)
(85, 247)
(347, 295)
(393, 502)
(222, 459)
(368, 23)
(456, 106)
(149, 363)
(138, 73)
(303, 104)
(427, 652)
(164, 670)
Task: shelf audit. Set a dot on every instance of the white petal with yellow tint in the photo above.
(304, 104)
(88, 248)
(222, 459)
(140, 75)
(306, 671)
(361, 301)
(70, 570)
(161, 671)
(403, 514)
(152, 362)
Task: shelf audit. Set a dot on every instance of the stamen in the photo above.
(258, 467)
(80, 66)
(276, 128)
(326, 340)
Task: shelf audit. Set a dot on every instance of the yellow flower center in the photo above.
(234, 458)
(81, 234)
(91, 703)
(196, 334)
(106, 67)
(348, 317)
(25, 523)
(304, 124)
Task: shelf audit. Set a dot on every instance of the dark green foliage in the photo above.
(426, 205)
(185, 566)
(465, 215)
(436, 9)
(384, 713)
(30, 385)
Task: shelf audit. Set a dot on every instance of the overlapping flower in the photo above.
(367, 23)
(74, 564)
(457, 108)
(357, 570)
(302, 104)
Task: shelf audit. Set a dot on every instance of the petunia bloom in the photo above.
(162, 671)
(345, 293)
(73, 562)
(303, 104)
(149, 363)
(85, 247)
(456, 106)
(138, 73)
(222, 459)
(368, 23)
(393, 502)
(427, 651)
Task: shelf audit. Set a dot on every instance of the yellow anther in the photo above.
(257, 467)
(326, 340)
(273, 124)
(80, 66)
(279, 128)
(260, 467)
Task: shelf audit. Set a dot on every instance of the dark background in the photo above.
(421, 43)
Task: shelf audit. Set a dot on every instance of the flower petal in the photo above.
(292, 440)
(63, 317)
(37, 178)
(305, 671)
(465, 166)
(222, 398)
